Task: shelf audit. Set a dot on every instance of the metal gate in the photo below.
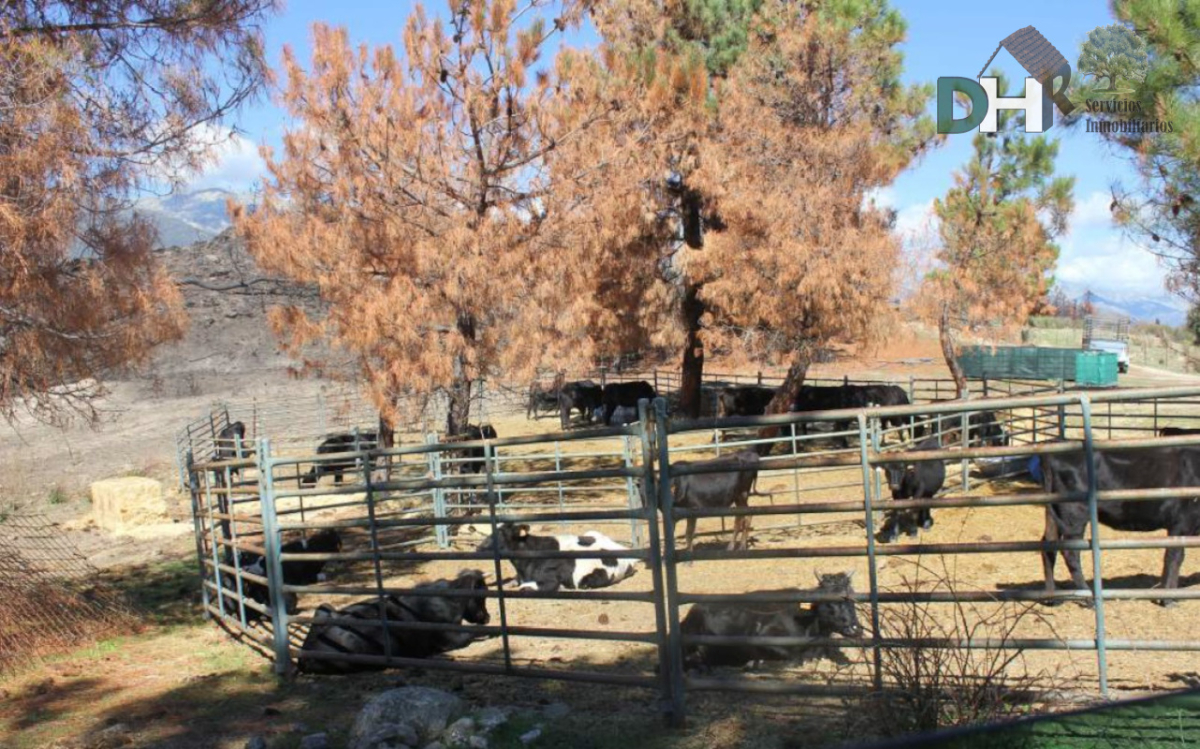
(392, 507)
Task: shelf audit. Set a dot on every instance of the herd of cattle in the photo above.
(338, 637)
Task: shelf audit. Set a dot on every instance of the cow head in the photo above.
(895, 476)
(327, 540)
(840, 617)
(507, 536)
(475, 611)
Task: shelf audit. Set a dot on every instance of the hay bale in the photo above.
(122, 503)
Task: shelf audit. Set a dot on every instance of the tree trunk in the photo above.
(944, 336)
(786, 395)
(692, 374)
(387, 440)
(458, 412)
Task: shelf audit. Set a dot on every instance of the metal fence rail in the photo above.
(404, 515)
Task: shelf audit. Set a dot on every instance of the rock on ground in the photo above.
(405, 716)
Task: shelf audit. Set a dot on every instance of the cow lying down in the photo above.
(370, 637)
(820, 620)
(295, 571)
(551, 574)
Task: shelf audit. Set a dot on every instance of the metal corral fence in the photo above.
(409, 514)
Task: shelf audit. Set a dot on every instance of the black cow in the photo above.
(373, 639)
(920, 480)
(821, 398)
(339, 443)
(584, 396)
(983, 429)
(744, 400)
(540, 399)
(1166, 467)
(822, 619)
(295, 571)
(866, 396)
(624, 394)
(550, 574)
(474, 461)
(1177, 432)
(230, 444)
(706, 491)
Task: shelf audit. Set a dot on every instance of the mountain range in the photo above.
(183, 219)
(1165, 309)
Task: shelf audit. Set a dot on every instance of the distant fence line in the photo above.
(401, 506)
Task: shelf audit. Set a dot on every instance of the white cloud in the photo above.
(1092, 211)
(1107, 262)
(882, 197)
(236, 164)
(915, 221)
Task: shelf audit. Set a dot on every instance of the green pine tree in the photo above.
(1162, 138)
(997, 229)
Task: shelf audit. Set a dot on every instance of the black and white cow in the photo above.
(624, 394)
(731, 487)
(295, 571)
(584, 396)
(366, 635)
(822, 619)
(551, 574)
(1156, 467)
(921, 479)
(346, 442)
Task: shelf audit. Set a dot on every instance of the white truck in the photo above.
(1108, 334)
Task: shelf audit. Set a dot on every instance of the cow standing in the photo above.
(744, 400)
(345, 442)
(922, 479)
(626, 394)
(551, 574)
(1158, 467)
(821, 398)
(540, 399)
(473, 457)
(584, 396)
(868, 396)
(821, 620)
(372, 638)
(731, 488)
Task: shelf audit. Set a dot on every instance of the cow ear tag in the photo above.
(523, 531)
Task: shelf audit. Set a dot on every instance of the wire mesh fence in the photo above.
(52, 601)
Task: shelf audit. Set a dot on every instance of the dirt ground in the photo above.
(183, 682)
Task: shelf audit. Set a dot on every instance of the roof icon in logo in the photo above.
(1041, 60)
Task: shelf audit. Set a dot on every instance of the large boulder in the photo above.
(120, 504)
(409, 716)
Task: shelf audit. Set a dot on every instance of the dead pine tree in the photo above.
(770, 152)
(415, 192)
(99, 101)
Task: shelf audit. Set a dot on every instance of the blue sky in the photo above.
(945, 39)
